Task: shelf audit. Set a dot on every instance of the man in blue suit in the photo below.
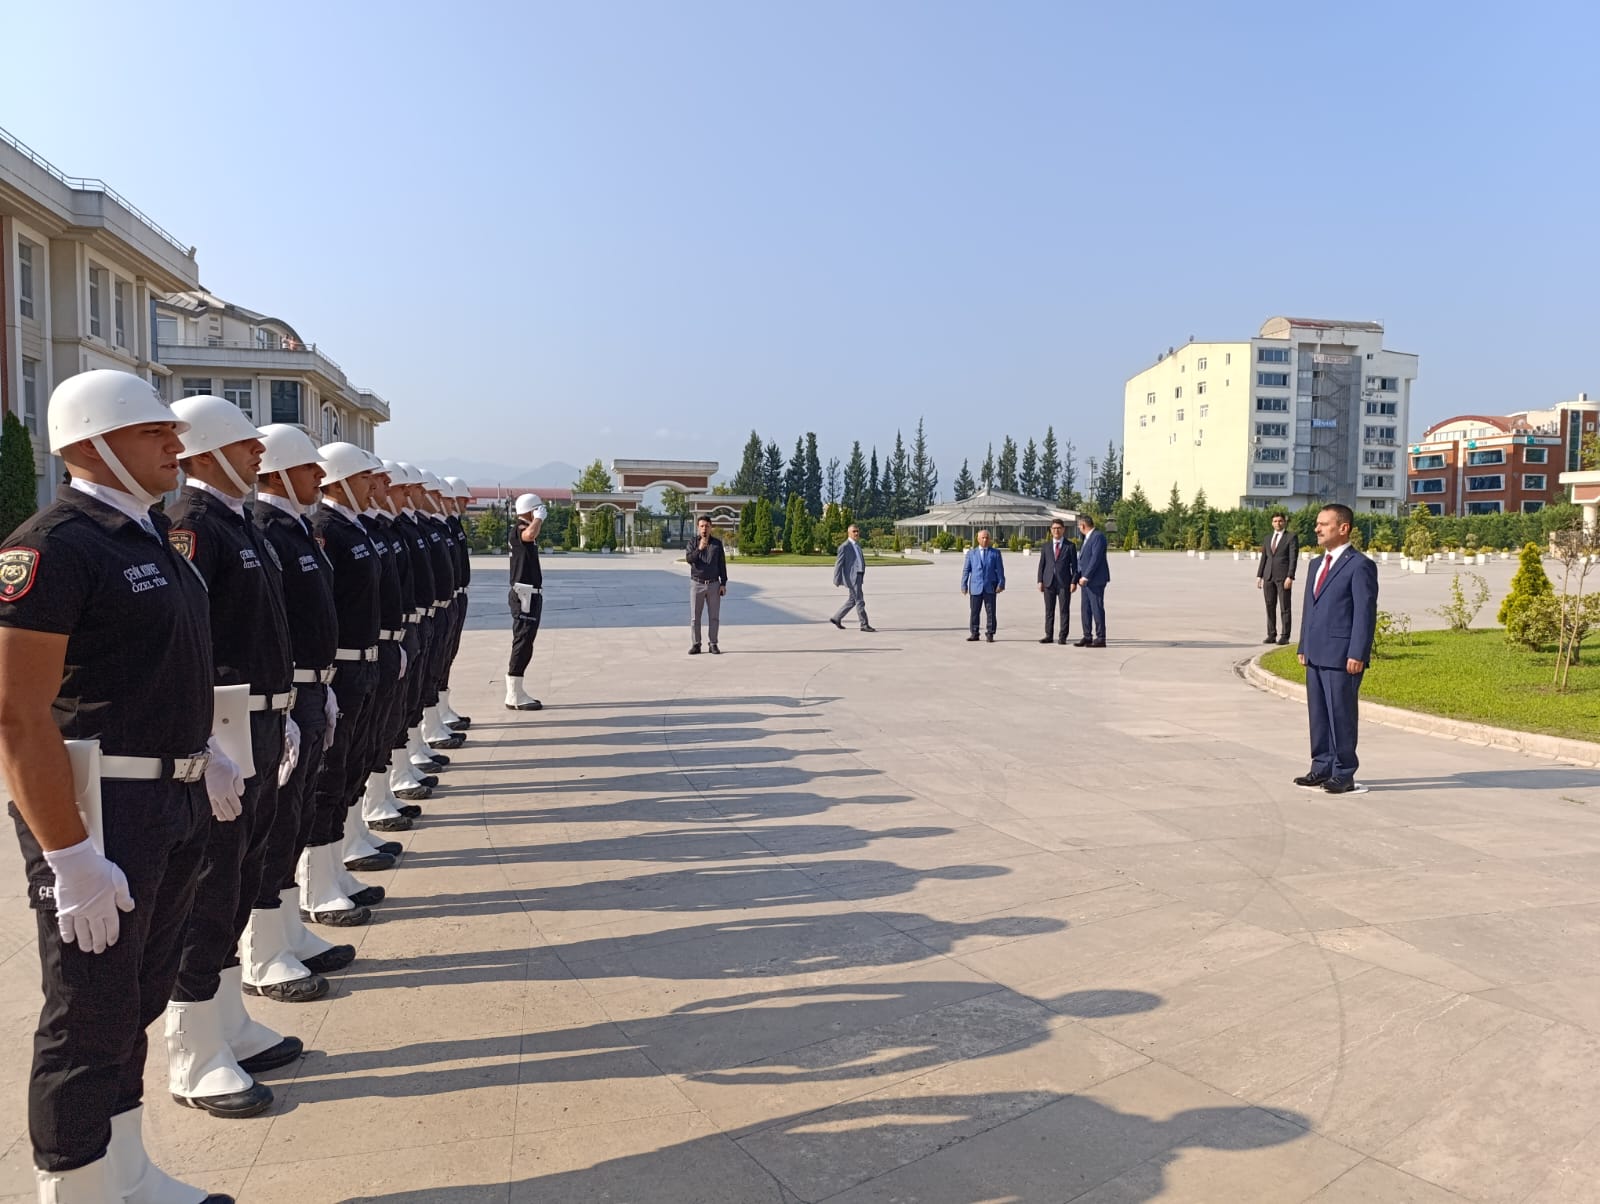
(1336, 626)
(983, 578)
(1094, 574)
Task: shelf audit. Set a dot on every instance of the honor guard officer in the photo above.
(527, 598)
(278, 951)
(461, 494)
(104, 637)
(441, 547)
(434, 729)
(338, 527)
(423, 760)
(406, 781)
(250, 647)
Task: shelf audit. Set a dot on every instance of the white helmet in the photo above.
(527, 503)
(92, 404)
(433, 483)
(463, 490)
(214, 423)
(340, 462)
(413, 476)
(287, 447)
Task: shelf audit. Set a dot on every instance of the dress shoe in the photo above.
(334, 957)
(393, 823)
(864, 627)
(414, 792)
(1339, 785)
(410, 810)
(459, 724)
(1049, 639)
(1271, 639)
(1096, 644)
(694, 649)
(349, 917)
(533, 704)
(1312, 780)
(837, 624)
(1284, 640)
(428, 780)
(439, 760)
(1081, 643)
(252, 1101)
(281, 1054)
(972, 639)
(714, 650)
(389, 848)
(1062, 641)
(297, 990)
(454, 740)
(990, 637)
(372, 861)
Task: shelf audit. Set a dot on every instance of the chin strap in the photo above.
(349, 497)
(228, 471)
(288, 492)
(122, 474)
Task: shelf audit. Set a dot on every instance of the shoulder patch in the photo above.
(182, 541)
(17, 569)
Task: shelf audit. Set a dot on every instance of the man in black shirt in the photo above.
(105, 637)
(526, 598)
(708, 583)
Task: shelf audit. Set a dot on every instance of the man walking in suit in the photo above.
(983, 579)
(1275, 578)
(708, 582)
(1094, 574)
(849, 571)
(1058, 577)
(1336, 627)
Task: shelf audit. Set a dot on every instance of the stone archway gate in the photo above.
(635, 477)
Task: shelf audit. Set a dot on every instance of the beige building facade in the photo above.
(1309, 410)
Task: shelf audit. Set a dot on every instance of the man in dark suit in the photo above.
(850, 571)
(1058, 577)
(983, 579)
(1275, 578)
(708, 583)
(1336, 627)
(1094, 574)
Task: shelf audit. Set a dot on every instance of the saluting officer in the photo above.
(277, 949)
(526, 599)
(250, 647)
(339, 528)
(105, 636)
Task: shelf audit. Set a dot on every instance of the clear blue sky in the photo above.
(560, 231)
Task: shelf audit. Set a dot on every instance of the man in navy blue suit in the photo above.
(1094, 574)
(1336, 626)
(983, 578)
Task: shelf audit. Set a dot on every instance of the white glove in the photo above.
(224, 783)
(541, 513)
(291, 749)
(330, 712)
(90, 891)
(404, 663)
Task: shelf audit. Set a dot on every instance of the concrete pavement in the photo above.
(898, 918)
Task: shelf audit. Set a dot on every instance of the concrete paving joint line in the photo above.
(1559, 748)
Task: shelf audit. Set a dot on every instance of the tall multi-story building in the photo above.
(1309, 410)
(208, 345)
(80, 269)
(1486, 464)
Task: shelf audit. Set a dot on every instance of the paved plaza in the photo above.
(899, 919)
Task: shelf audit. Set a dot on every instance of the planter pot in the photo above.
(1383, 556)
(1417, 566)
(1256, 555)
(1202, 555)
(1134, 553)
(1238, 555)
(1190, 551)
(1481, 558)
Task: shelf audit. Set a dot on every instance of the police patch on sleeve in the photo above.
(18, 567)
(182, 542)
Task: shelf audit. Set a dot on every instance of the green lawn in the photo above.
(786, 558)
(1477, 676)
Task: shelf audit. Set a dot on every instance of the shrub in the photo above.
(1459, 612)
(18, 485)
(1130, 541)
(1535, 621)
(1529, 582)
(946, 541)
(1383, 537)
(1390, 629)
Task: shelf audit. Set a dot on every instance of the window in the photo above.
(330, 423)
(239, 392)
(1178, 392)
(1533, 482)
(1272, 355)
(1272, 380)
(1378, 459)
(1272, 430)
(1180, 415)
(1205, 410)
(1272, 405)
(1374, 480)
(285, 401)
(1149, 399)
(119, 312)
(1378, 434)
(1386, 409)
(1201, 387)
(1272, 455)
(1435, 485)
(1143, 418)
(1383, 384)
(1420, 463)
(1574, 442)
(30, 395)
(1227, 358)
(1532, 507)
(166, 332)
(1483, 507)
(1491, 484)
(1536, 455)
(1434, 508)
(1271, 480)
(1495, 455)
(196, 386)
(95, 276)
(1200, 364)
(25, 278)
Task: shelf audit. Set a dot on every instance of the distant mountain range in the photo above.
(483, 474)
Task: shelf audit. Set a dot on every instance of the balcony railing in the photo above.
(276, 347)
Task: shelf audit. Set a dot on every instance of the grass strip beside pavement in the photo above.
(787, 558)
(1476, 676)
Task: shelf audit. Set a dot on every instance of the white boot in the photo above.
(403, 776)
(448, 712)
(518, 699)
(86, 1185)
(301, 941)
(350, 884)
(433, 728)
(320, 890)
(269, 962)
(357, 841)
(201, 1069)
(378, 803)
(417, 748)
(133, 1178)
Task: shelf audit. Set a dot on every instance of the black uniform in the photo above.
(524, 624)
(422, 595)
(250, 646)
(393, 606)
(313, 637)
(138, 678)
(356, 576)
(458, 611)
(441, 555)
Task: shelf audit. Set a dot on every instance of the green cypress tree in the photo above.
(761, 541)
(18, 485)
(747, 525)
(1528, 583)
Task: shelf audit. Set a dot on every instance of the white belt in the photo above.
(272, 702)
(460, 589)
(357, 654)
(151, 769)
(529, 589)
(445, 605)
(395, 634)
(306, 677)
(418, 614)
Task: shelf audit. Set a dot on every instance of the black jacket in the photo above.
(709, 565)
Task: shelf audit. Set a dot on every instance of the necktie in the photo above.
(1322, 575)
(1275, 535)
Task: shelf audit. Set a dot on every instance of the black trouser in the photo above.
(89, 1049)
(458, 624)
(291, 830)
(339, 779)
(1092, 611)
(389, 700)
(981, 602)
(410, 689)
(524, 630)
(231, 870)
(1057, 598)
(435, 664)
(1280, 606)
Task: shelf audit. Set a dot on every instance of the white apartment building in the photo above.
(207, 345)
(1310, 410)
(80, 270)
